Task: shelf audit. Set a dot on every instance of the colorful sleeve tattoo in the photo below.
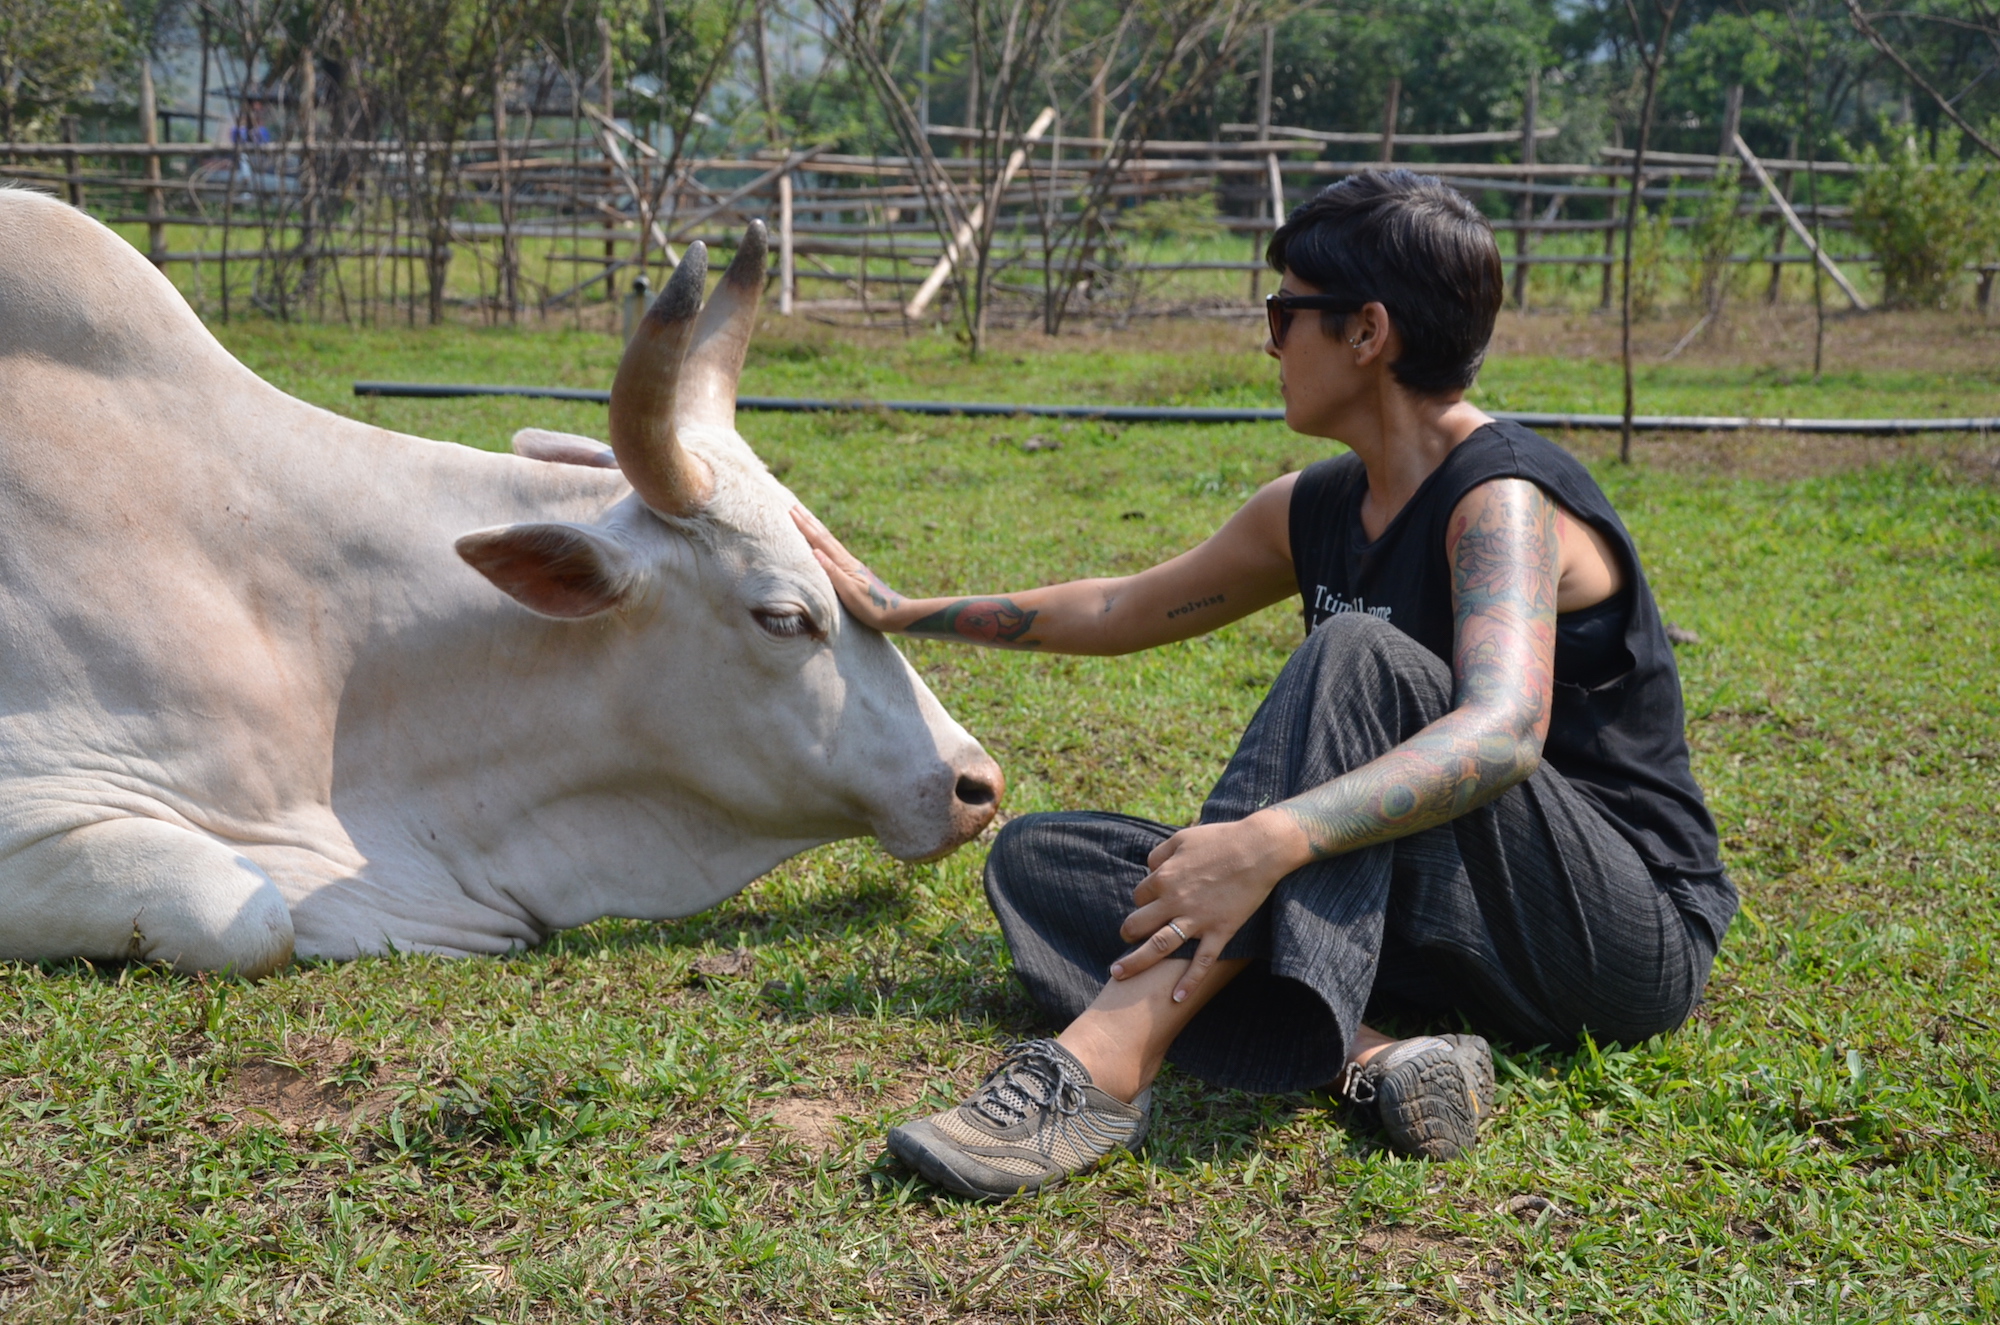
(1504, 567)
(999, 622)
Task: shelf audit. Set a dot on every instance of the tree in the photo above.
(1463, 64)
(1952, 70)
(431, 65)
(1149, 59)
(51, 52)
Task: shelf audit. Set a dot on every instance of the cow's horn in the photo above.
(644, 395)
(708, 381)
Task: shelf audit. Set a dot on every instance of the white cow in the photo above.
(274, 681)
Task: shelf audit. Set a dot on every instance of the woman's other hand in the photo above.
(1207, 880)
(861, 590)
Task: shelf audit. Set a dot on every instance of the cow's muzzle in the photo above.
(978, 784)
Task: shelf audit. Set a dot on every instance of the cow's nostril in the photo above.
(975, 791)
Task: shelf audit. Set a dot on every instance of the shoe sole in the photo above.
(1475, 1055)
(911, 1148)
(1432, 1105)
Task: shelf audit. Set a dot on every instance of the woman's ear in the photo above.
(1369, 333)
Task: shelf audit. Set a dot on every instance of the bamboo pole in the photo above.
(960, 240)
(1798, 227)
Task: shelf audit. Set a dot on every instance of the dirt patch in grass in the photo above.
(815, 1124)
(315, 1083)
(822, 1116)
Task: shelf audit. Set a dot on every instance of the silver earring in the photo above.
(1356, 342)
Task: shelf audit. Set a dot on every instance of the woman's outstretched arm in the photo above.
(1243, 566)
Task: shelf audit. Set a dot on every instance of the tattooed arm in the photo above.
(1505, 563)
(1245, 565)
(1505, 567)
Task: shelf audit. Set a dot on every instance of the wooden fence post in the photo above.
(71, 166)
(308, 168)
(1617, 223)
(1778, 243)
(1528, 108)
(787, 265)
(610, 181)
(149, 128)
(1389, 120)
(1271, 161)
(510, 258)
(201, 94)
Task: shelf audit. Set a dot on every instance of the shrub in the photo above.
(1185, 220)
(1650, 237)
(1720, 226)
(1922, 214)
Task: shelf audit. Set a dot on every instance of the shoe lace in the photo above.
(1029, 1079)
(1356, 1086)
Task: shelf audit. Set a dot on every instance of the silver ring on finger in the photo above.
(1175, 926)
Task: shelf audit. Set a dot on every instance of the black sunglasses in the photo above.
(1278, 310)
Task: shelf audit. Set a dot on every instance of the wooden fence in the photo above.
(506, 226)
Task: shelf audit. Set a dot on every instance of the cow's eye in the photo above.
(784, 622)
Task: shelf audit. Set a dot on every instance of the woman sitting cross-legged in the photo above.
(1465, 799)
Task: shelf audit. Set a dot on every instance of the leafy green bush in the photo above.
(1923, 215)
(1185, 220)
(1651, 234)
(1720, 228)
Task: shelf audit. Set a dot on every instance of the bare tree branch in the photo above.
(1881, 43)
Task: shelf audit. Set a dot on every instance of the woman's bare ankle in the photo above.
(1367, 1043)
(1119, 1070)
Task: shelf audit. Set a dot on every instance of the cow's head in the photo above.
(756, 692)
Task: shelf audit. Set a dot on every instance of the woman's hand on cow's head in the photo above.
(862, 592)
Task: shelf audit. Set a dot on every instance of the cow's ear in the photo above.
(559, 570)
(564, 448)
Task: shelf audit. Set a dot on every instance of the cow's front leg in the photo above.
(140, 889)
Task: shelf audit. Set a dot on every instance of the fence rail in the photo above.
(343, 225)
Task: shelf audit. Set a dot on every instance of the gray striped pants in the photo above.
(1529, 918)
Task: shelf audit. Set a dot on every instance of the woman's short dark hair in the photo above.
(1416, 246)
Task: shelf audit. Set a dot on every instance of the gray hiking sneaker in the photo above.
(1430, 1093)
(1035, 1120)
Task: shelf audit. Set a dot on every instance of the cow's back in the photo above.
(193, 559)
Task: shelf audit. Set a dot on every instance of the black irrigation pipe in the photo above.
(1187, 414)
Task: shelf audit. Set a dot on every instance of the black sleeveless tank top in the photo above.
(1617, 732)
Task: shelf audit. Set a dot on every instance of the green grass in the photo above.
(632, 1122)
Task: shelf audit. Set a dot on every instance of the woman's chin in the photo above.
(1300, 420)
